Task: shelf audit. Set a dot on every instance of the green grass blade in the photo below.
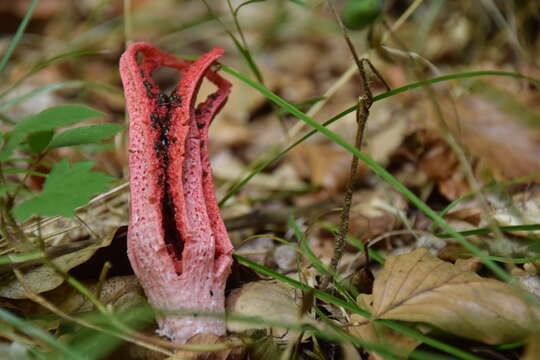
(249, 59)
(513, 260)
(300, 3)
(373, 254)
(381, 350)
(463, 75)
(44, 64)
(486, 230)
(20, 31)
(238, 186)
(42, 90)
(424, 355)
(56, 86)
(356, 309)
(239, 46)
(318, 264)
(518, 180)
(300, 327)
(36, 332)
(235, 12)
(379, 170)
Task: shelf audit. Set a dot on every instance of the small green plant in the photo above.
(359, 14)
(66, 186)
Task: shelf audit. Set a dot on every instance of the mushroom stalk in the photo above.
(177, 243)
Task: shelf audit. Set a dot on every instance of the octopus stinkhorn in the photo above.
(177, 242)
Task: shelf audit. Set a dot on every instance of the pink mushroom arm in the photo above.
(177, 243)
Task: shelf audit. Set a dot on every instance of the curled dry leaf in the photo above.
(418, 287)
(44, 278)
(119, 293)
(269, 300)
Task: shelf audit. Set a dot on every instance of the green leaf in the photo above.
(359, 14)
(37, 141)
(300, 2)
(91, 134)
(68, 186)
(48, 119)
(55, 117)
(235, 13)
(35, 332)
(7, 188)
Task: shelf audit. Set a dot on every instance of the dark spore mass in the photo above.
(160, 120)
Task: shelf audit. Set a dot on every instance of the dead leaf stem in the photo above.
(362, 114)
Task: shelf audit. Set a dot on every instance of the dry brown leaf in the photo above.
(384, 141)
(440, 164)
(120, 293)
(508, 147)
(269, 300)
(374, 333)
(454, 186)
(439, 161)
(326, 165)
(418, 287)
(376, 211)
(44, 277)
(207, 339)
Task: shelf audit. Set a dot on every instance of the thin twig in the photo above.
(367, 91)
(362, 114)
(240, 44)
(128, 22)
(102, 278)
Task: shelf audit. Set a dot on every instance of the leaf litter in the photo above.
(403, 134)
(418, 287)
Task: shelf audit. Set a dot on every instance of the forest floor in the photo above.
(445, 198)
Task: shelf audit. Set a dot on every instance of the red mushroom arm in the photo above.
(177, 243)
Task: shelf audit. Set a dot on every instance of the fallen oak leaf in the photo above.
(371, 332)
(418, 287)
